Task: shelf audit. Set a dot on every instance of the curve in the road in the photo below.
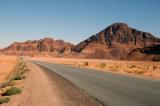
(109, 88)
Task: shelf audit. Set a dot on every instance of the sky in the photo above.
(73, 20)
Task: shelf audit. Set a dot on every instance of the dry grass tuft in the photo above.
(86, 63)
(19, 77)
(12, 91)
(4, 100)
(126, 67)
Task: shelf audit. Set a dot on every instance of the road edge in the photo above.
(81, 90)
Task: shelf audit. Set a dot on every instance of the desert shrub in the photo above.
(139, 72)
(4, 100)
(22, 71)
(154, 67)
(22, 68)
(128, 71)
(112, 69)
(132, 66)
(86, 63)
(103, 65)
(12, 91)
(11, 83)
(19, 77)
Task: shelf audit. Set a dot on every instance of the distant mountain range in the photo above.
(46, 46)
(118, 41)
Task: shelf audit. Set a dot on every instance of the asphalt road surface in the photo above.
(108, 88)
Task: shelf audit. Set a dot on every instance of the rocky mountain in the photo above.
(46, 46)
(151, 53)
(114, 42)
(118, 41)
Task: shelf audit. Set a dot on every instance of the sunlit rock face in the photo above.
(115, 41)
(46, 45)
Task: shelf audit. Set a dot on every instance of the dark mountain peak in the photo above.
(120, 36)
(47, 39)
(118, 26)
(122, 33)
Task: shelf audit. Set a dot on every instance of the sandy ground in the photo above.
(7, 65)
(142, 68)
(44, 88)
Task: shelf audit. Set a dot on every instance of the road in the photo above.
(108, 88)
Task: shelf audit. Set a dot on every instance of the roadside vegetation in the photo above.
(19, 77)
(103, 66)
(143, 68)
(12, 91)
(9, 87)
(4, 100)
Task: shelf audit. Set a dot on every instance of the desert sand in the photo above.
(140, 68)
(7, 65)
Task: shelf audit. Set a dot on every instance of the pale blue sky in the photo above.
(73, 20)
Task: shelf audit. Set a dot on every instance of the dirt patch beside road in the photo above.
(44, 88)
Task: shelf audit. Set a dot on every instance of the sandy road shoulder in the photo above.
(44, 88)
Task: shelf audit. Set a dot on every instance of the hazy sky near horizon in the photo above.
(73, 20)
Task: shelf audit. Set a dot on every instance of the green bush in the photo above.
(4, 100)
(12, 91)
(19, 77)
